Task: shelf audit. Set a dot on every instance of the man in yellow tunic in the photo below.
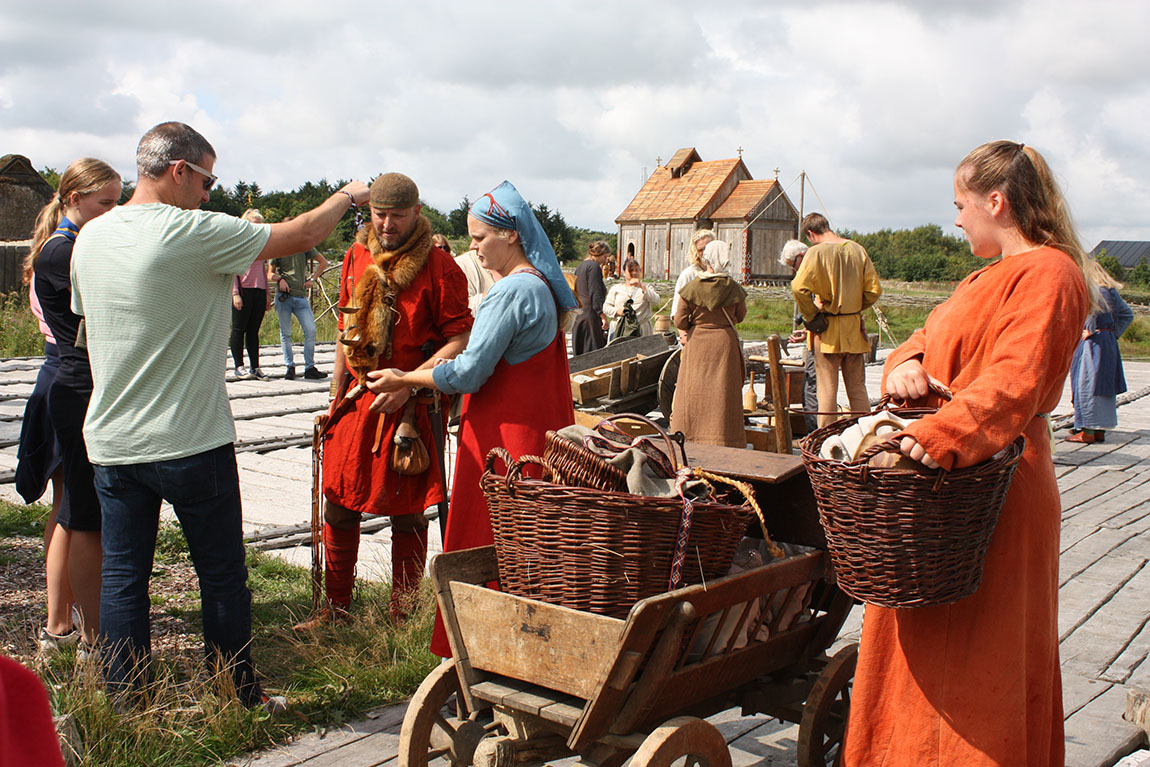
(838, 280)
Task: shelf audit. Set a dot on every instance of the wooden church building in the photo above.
(754, 217)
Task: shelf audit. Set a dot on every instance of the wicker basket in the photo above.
(574, 464)
(906, 538)
(597, 550)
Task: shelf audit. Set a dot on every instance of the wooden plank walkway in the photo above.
(1104, 619)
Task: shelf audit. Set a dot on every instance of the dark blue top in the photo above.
(1101, 347)
(54, 290)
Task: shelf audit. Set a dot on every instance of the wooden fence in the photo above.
(11, 259)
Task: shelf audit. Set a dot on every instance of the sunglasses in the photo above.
(211, 180)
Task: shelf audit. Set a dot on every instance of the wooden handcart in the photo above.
(532, 681)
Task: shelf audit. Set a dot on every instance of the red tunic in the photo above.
(433, 308)
(513, 409)
(978, 682)
(27, 736)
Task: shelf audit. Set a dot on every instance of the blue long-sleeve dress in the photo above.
(1096, 370)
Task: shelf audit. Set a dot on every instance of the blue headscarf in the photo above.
(504, 208)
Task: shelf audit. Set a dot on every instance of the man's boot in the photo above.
(341, 552)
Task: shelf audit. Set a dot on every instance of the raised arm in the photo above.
(309, 229)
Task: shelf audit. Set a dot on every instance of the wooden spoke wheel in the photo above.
(437, 725)
(668, 377)
(824, 724)
(694, 740)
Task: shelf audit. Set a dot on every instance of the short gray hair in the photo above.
(166, 142)
(791, 252)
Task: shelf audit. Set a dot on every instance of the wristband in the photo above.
(350, 196)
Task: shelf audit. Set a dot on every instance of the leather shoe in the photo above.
(1082, 437)
(325, 617)
(313, 373)
(290, 374)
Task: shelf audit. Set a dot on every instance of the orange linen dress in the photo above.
(978, 682)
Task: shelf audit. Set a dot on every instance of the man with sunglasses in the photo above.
(154, 286)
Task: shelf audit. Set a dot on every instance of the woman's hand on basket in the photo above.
(910, 381)
(913, 450)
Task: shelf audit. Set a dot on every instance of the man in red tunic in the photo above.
(404, 304)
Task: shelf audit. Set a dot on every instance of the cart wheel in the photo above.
(428, 732)
(668, 377)
(685, 736)
(825, 713)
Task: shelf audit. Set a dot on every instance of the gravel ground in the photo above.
(23, 610)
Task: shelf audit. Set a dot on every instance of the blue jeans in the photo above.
(300, 306)
(204, 491)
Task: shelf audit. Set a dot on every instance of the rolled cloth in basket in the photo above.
(642, 478)
(858, 437)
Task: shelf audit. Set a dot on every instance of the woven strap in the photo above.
(684, 530)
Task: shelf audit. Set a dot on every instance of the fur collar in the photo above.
(369, 336)
(403, 265)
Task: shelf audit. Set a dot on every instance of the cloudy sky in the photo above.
(573, 101)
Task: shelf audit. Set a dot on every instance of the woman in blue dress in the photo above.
(1096, 371)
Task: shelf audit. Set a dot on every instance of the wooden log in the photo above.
(779, 396)
(71, 744)
(1138, 708)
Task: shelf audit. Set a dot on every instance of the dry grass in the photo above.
(190, 717)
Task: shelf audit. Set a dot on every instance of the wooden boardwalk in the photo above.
(1104, 619)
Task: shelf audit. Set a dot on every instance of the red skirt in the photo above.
(514, 409)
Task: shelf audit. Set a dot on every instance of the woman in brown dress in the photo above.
(707, 406)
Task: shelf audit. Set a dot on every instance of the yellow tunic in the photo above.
(845, 281)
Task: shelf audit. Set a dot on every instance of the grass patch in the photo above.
(18, 519)
(19, 331)
(329, 676)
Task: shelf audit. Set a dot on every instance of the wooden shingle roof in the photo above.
(665, 197)
(745, 200)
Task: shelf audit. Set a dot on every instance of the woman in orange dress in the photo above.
(978, 682)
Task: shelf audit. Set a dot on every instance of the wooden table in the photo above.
(780, 484)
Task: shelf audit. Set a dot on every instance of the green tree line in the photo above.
(922, 254)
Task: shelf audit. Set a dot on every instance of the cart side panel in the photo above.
(711, 679)
(551, 646)
(760, 622)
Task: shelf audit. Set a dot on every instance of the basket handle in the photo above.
(671, 440)
(890, 446)
(937, 387)
(497, 454)
(515, 470)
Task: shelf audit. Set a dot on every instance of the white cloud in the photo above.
(573, 101)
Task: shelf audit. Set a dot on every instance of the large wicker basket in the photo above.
(574, 464)
(596, 550)
(901, 537)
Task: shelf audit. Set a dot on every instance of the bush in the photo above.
(19, 332)
(1112, 267)
(1140, 274)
